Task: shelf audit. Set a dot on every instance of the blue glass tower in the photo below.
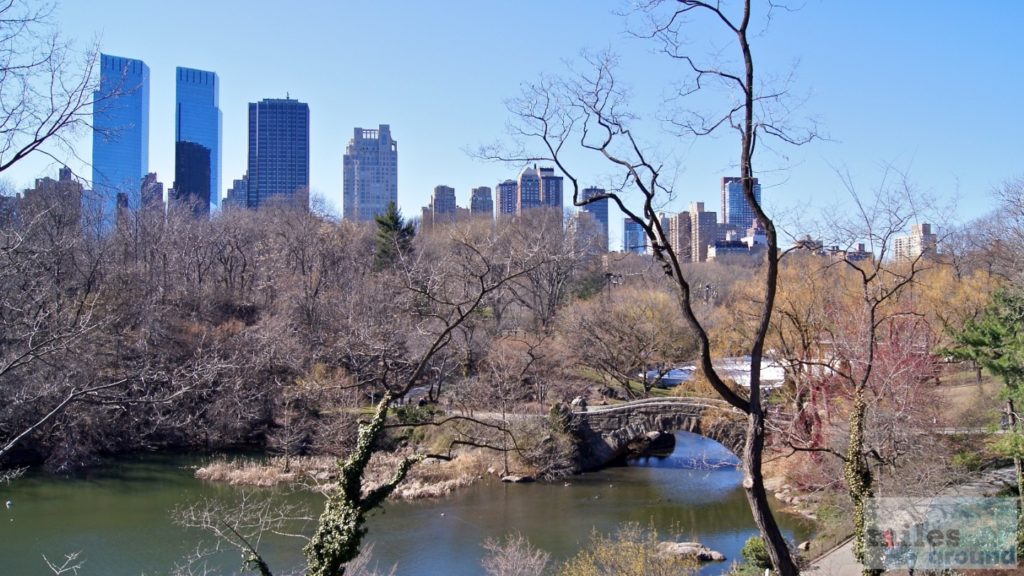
(120, 138)
(598, 209)
(198, 121)
(735, 208)
(278, 152)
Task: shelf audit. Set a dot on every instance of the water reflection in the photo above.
(119, 518)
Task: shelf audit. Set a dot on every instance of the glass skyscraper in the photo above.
(197, 123)
(735, 208)
(120, 138)
(278, 152)
(598, 210)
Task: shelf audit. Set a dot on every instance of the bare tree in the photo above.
(513, 556)
(46, 87)
(591, 112)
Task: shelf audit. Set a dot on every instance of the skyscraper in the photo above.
(278, 152)
(680, 235)
(508, 197)
(370, 173)
(736, 211)
(481, 203)
(198, 122)
(442, 204)
(120, 137)
(598, 210)
(528, 195)
(920, 242)
(634, 239)
(703, 231)
(192, 167)
(550, 188)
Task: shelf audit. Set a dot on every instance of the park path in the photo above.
(840, 561)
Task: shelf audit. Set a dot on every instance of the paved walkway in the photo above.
(840, 561)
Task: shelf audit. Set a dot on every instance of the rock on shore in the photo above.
(694, 550)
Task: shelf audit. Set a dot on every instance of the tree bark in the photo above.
(757, 496)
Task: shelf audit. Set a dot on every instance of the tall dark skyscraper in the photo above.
(197, 124)
(370, 169)
(120, 138)
(442, 204)
(598, 210)
(480, 202)
(192, 166)
(735, 208)
(508, 192)
(550, 188)
(529, 190)
(634, 239)
(278, 152)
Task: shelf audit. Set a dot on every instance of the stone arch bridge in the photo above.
(606, 434)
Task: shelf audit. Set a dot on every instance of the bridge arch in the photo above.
(605, 433)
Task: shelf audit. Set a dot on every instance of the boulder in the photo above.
(517, 479)
(804, 546)
(694, 550)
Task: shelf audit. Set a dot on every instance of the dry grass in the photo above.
(428, 479)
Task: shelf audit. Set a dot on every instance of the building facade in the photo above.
(703, 231)
(920, 242)
(550, 188)
(278, 166)
(508, 197)
(736, 211)
(528, 192)
(633, 237)
(481, 203)
(370, 168)
(680, 235)
(598, 211)
(192, 167)
(198, 121)
(120, 138)
(442, 205)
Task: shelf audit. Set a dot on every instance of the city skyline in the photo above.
(889, 118)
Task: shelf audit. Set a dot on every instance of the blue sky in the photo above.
(930, 87)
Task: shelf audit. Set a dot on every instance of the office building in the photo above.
(736, 211)
(508, 197)
(680, 235)
(703, 231)
(192, 167)
(443, 209)
(238, 192)
(598, 211)
(634, 239)
(481, 203)
(152, 193)
(370, 169)
(920, 242)
(528, 196)
(278, 167)
(120, 139)
(550, 188)
(198, 122)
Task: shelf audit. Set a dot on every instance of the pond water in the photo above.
(118, 518)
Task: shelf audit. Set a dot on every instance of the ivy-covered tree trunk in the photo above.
(341, 528)
(859, 481)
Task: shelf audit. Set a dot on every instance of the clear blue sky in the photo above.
(933, 87)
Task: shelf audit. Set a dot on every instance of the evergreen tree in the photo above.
(394, 237)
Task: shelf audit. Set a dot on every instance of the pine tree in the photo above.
(394, 237)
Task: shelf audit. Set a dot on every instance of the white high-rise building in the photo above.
(920, 242)
(370, 173)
